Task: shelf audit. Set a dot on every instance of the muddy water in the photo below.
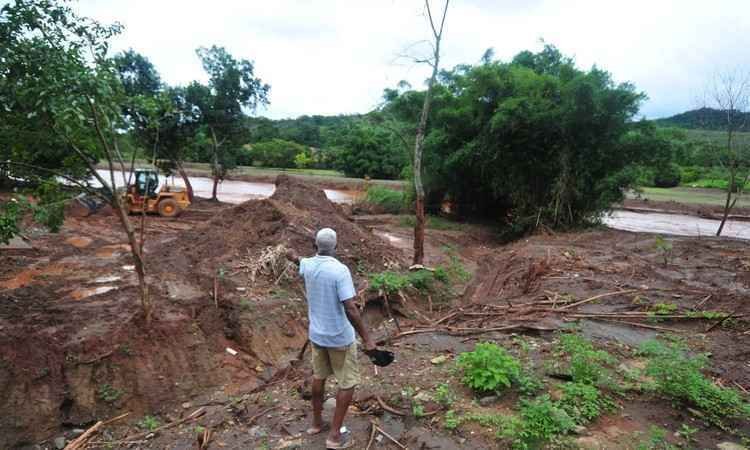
(230, 191)
(676, 224)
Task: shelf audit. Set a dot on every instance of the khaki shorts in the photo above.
(339, 362)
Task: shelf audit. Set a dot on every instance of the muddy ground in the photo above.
(219, 355)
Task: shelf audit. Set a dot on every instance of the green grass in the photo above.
(678, 374)
(717, 137)
(688, 195)
(390, 200)
(433, 222)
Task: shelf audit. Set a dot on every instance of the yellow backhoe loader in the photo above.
(168, 202)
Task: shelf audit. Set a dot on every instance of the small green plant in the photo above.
(687, 432)
(583, 402)
(542, 420)
(664, 309)
(444, 395)
(657, 440)
(149, 423)
(488, 368)
(126, 350)
(199, 429)
(664, 247)
(528, 383)
(679, 376)
(108, 393)
(587, 365)
(417, 409)
(451, 421)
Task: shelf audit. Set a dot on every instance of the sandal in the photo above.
(346, 442)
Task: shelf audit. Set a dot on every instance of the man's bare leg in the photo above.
(343, 400)
(318, 392)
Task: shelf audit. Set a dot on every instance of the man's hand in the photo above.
(292, 256)
(368, 345)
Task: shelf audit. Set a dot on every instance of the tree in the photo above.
(232, 86)
(366, 150)
(56, 63)
(730, 93)
(526, 147)
(434, 62)
(158, 115)
(276, 153)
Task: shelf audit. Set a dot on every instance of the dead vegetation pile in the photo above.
(253, 237)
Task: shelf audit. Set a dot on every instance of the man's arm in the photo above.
(352, 313)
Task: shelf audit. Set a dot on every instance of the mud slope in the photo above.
(74, 346)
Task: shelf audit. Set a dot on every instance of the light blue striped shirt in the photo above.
(328, 283)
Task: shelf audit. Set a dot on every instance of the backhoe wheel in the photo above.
(168, 208)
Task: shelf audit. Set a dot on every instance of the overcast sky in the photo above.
(337, 56)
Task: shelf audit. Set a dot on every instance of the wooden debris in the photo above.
(82, 440)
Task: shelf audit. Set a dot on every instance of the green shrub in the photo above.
(109, 393)
(679, 376)
(149, 423)
(583, 402)
(389, 200)
(391, 282)
(488, 368)
(542, 420)
(667, 176)
(586, 363)
(276, 153)
(444, 395)
(451, 421)
(432, 222)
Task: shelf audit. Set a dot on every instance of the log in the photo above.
(80, 441)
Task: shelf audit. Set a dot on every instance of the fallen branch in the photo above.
(260, 414)
(98, 358)
(597, 297)
(80, 442)
(388, 408)
(372, 435)
(197, 413)
(722, 320)
(702, 302)
(391, 438)
(641, 325)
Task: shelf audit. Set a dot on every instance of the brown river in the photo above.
(232, 191)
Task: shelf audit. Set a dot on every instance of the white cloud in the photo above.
(336, 56)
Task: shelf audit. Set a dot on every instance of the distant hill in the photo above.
(701, 119)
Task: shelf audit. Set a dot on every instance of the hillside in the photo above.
(702, 118)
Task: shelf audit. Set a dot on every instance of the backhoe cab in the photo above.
(142, 194)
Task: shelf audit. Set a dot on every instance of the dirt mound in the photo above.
(290, 218)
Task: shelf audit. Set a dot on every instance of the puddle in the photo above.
(28, 276)
(80, 294)
(79, 241)
(230, 191)
(107, 279)
(676, 224)
(393, 240)
(112, 251)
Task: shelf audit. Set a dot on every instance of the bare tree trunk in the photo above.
(136, 251)
(216, 170)
(419, 225)
(728, 204)
(117, 205)
(185, 179)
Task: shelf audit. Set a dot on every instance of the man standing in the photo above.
(333, 319)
